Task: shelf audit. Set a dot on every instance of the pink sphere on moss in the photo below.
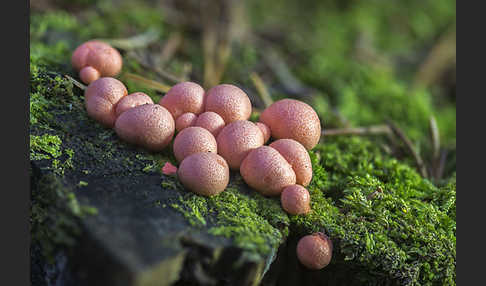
(132, 100)
(265, 131)
(314, 251)
(193, 140)
(89, 74)
(150, 126)
(236, 140)
(184, 97)
(210, 121)
(101, 98)
(206, 174)
(295, 200)
(96, 59)
(296, 154)
(293, 119)
(185, 120)
(229, 101)
(265, 170)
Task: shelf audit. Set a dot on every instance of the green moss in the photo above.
(45, 147)
(255, 223)
(48, 147)
(384, 215)
(82, 184)
(54, 215)
(445, 198)
(49, 92)
(38, 108)
(386, 218)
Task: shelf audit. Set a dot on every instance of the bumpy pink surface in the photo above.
(193, 140)
(229, 101)
(265, 131)
(150, 126)
(132, 100)
(314, 251)
(295, 200)
(210, 121)
(296, 154)
(265, 170)
(237, 139)
(185, 120)
(101, 98)
(294, 119)
(184, 97)
(98, 55)
(205, 174)
(89, 74)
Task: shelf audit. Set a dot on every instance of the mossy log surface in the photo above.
(124, 223)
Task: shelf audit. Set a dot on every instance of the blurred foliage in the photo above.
(362, 55)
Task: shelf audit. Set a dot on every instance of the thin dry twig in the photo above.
(435, 137)
(262, 89)
(215, 41)
(222, 22)
(441, 57)
(135, 42)
(369, 130)
(170, 47)
(161, 73)
(409, 146)
(278, 65)
(147, 82)
(75, 82)
(439, 172)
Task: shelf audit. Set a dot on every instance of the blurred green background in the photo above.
(357, 62)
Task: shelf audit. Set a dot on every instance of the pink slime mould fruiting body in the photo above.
(204, 173)
(185, 120)
(229, 101)
(295, 200)
(293, 119)
(101, 98)
(210, 121)
(265, 170)
(296, 154)
(95, 59)
(150, 126)
(314, 251)
(132, 100)
(193, 140)
(236, 139)
(184, 97)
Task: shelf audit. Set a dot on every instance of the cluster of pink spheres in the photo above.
(214, 135)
